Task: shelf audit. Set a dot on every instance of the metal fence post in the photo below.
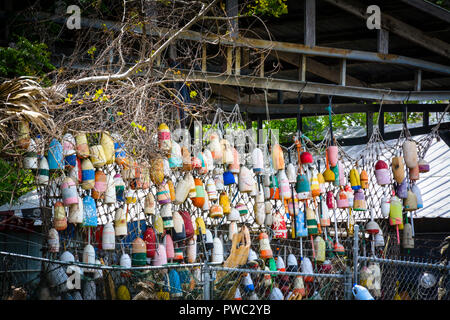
(206, 282)
(348, 284)
(355, 253)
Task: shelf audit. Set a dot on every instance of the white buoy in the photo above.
(217, 254)
(108, 237)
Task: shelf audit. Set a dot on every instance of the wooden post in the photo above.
(261, 65)
(245, 57)
(204, 57)
(383, 41)
(343, 71)
(232, 11)
(237, 61)
(369, 124)
(310, 23)
(302, 68)
(381, 123)
(229, 60)
(418, 80)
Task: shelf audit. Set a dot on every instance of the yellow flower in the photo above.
(193, 94)
(144, 128)
(120, 113)
(80, 101)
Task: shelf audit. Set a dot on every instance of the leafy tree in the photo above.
(15, 181)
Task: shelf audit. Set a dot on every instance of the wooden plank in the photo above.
(430, 8)
(381, 123)
(383, 41)
(310, 23)
(318, 69)
(232, 11)
(398, 27)
(369, 123)
(261, 65)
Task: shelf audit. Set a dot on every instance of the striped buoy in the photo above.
(423, 166)
(199, 199)
(342, 200)
(315, 187)
(382, 173)
(192, 191)
(265, 251)
(97, 156)
(138, 253)
(108, 237)
(178, 232)
(30, 159)
(211, 189)
(325, 220)
(89, 212)
(87, 175)
(359, 202)
(248, 283)
(166, 215)
(75, 172)
(43, 173)
(355, 180)
(53, 240)
(175, 158)
(119, 149)
(163, 194)
(59, 217)
(279, 226)
(242, 209)
(273, 188)
(207, 204)
(82, 147)
(55, 155)
(257, 161)
(311, 222)
(98, 192)
(119, 185)
(164, 139)
(302, 187)
(76, 212)
(69, 153)
(69, 192)
(216, 212)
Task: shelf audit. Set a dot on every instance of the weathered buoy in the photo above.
(382, 173)
(398, 169)
(279, 226)
(199, 199)
(108, 237)
(97, 156)
(330, 200)
(163, 194)
(265, 251)
(59, 216)
(302, 187)
(227, 152)
(217, 252)
(43, 173)
(332, 153)
(311, 222)
(150, 242)
(53, 240)
(166, 215)
(168, 244)
(120, 187)
(224, 202)
(216, 212)
(157, 171)
(257, 161)
(414, 173)
(191, 249)
(423, 166)
(410, 153)
(120, 223)
(259, 209)
(23, 137)
(277, 157)
(89, 212)
(82, 147)
(76, 212)
(55, 155)
(69, 192)
(139, 252)
(87, 175)
(359, 203)
(164, 138)
(415, 189)
(342, 200)
(364, 178)
(30, 158)
(410, 203)
(285, 190)
(178, 231)
(407, 240)
(355, 180)
(98, 192)
(319, 248)
(246, 181)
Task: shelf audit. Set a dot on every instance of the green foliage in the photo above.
(14, 181)
(26, 58)
(274, 8)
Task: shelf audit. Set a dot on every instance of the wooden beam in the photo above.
(310, 23)
(232, 11)
(318, 69)
(398, 27)
(204, 57)
(430, 8)
(383, 41)
(261, 64)
(229, 60)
